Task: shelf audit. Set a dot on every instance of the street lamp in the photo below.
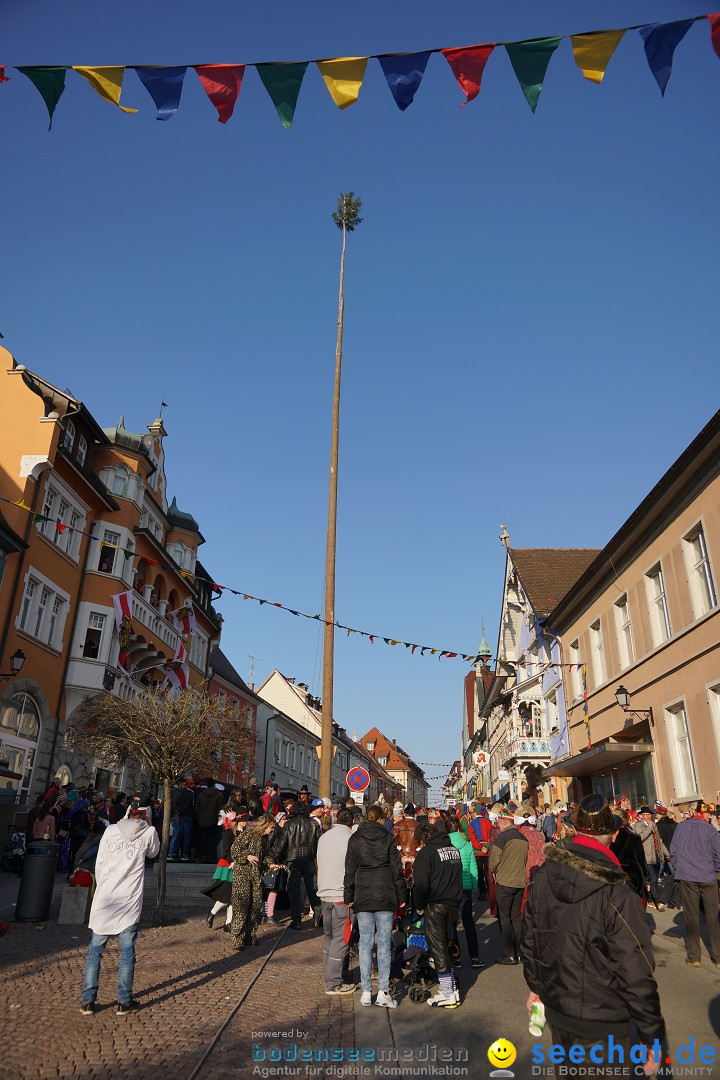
(622, 696)
(16, 662)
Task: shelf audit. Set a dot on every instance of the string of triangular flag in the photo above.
(422, 650)
(344, 75)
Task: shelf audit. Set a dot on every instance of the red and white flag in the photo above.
(122, 602)
(184, 619)
(177, 678)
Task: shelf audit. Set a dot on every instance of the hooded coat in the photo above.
(586, 946)
(374, 879)
(120, 875)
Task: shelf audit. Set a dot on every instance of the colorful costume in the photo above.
(247, 886)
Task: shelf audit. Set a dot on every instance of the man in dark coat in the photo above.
(208, 804)
(295, 848)
(586, 947)
(375, 888)
(438, 895)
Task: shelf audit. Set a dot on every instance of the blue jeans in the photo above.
(370, 923)
(181, 836)
(125, 972)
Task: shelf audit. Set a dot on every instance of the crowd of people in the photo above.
(569, 886)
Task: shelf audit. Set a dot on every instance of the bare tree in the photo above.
(169, 738)
(347, 218)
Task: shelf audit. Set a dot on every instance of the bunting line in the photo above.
(344, 75)
(442, 654)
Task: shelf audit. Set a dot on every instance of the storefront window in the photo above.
(19, 734)
(635, 780)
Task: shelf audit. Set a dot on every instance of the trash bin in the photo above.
(37, 881)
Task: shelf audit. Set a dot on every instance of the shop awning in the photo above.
(602, 756)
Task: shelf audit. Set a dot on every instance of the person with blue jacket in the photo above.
(695, 856)
(470, 885)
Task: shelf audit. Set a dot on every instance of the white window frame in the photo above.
(701, 579)
(90, 625)
(68, 438)
(623, 626)
(114, 546)
(38, 615)
(713, 696)
(199, 644)
(121, 472)
(684, 778)
(301, 764)
(69, 507)
(658, 610)
(82, 451)
(597, 649)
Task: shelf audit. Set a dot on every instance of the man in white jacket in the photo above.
(331, 851)
(117, 904)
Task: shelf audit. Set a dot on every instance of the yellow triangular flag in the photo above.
(343, 78)
(107, 81)
(21, 503)
(593, 52)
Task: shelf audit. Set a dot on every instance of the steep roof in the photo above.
(547, 574)
(222, 667)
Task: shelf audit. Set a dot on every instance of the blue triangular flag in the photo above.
(164, 85)
(661, 40)
(404, 75)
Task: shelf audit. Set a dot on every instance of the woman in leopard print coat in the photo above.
(250, 862)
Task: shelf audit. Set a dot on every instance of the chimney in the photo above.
(251, 686)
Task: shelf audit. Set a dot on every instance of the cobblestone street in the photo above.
(187, 981)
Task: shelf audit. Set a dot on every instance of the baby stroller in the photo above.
(418, 962)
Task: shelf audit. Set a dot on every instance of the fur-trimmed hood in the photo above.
(574, 873)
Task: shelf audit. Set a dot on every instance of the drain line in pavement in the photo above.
(246, 991)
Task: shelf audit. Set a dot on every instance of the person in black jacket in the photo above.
(375, 888)
(295, 847)
(438, 894)
(630, 852)
(586, 946)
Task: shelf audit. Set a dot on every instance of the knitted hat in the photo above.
(594, 816)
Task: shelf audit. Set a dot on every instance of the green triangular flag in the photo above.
(50, 81)
(530, 60)
(283, 82)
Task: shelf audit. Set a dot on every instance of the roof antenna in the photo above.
(251, 673)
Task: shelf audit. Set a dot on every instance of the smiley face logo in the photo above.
(502, 1053)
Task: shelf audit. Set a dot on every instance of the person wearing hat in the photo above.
(525, 822)
(656, 854)
(304, 796)
(508, 866)
(493, 833)
(695, 855)
(586, 949)
(233, 819)
(404, 833)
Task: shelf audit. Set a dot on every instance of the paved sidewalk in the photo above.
(187, 980)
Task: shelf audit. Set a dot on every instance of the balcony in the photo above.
(144, 613)
(526, 749)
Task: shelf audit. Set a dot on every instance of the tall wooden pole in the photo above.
(329, 637)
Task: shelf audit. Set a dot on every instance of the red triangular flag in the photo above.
(468, 66)
(60, 527)
(222, 84)
(715, 32)
(3, 76)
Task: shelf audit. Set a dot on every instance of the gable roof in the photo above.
(547, 574)
(222, 667)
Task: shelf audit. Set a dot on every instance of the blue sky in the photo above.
(530, 305)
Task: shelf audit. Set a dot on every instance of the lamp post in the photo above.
(16, 662)
(622, 697)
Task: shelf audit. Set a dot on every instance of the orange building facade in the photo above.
(85, 517)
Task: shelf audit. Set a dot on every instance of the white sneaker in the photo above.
(439, 1000)
(366, 998)
(385, 1000)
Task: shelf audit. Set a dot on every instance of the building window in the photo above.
(30, 588)
(108, 550)
(81, 450)
(382, 761)
(19, 736)
(657, 605)
(93, 636)
(598, 653)
(576, 670)
(714, 703)
(120, 481)
(301, 765)
(624, 632)
(370, 746)
(681, 755)
(40, 610)
(277, 748)
(69, 436)
(702, 586)
(199, 650)
(292, 756)
(47, 527)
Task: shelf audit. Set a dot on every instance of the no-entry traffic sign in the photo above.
(358, 778)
